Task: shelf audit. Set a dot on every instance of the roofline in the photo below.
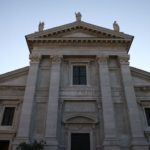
(80, 24)
(14, 72)
(76, 23)
(140, 71)
(130, 43)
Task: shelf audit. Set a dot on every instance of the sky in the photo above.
(21, 17)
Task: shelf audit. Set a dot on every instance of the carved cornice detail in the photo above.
(124, 59)
(80, 40)
(56, 59)
(35, 58)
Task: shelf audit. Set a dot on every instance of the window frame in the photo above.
(3, 115)
(87, 73)
(78, 75)
(146, 120)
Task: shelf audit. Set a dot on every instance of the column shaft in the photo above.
(52, 112)
(26, 113)
(110, 139)
(133, 112)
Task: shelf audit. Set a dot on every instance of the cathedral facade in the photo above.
(79, 92)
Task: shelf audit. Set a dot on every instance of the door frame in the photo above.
(80, 131)
(9, 144)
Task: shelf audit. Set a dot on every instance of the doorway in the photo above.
(4, 145)
(80, 141)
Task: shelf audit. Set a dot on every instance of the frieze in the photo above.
(78, 127)
(80, 106)
(80, 92)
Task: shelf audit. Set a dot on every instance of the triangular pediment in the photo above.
(78, 34)
(14, 78)
(77, 30)
(140, 77)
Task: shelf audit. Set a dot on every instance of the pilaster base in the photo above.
(51, 144)
(50, 147)
(139, 148)
(111, 144)
(17, 141)
(139, 144)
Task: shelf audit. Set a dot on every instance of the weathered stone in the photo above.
(108, 110)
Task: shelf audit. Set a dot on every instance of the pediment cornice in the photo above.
(95, 34)
(140, 73)
(82, 26)
(14, 74)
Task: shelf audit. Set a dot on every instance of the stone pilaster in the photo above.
(137, 133)
(110, 139)
(26, 113)
(52, 112)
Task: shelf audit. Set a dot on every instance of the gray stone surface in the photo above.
(109, 108)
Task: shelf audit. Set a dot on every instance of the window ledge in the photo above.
(6, 128)
(7, 131)
(80, 86)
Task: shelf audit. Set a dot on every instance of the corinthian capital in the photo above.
(56, 59)
(124, 59)
(35, 58)
(102, 59)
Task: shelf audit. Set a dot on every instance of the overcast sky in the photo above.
(21, 17)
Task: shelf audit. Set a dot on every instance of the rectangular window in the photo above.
(147, 113)
(79, 75)
(8, 116)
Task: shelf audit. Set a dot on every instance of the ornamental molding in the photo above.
(56, 59)
(79, 25)
(35, 58)
(124, 60)
(79, 40)
(102, 35)
(78, 118)
(102, 59)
